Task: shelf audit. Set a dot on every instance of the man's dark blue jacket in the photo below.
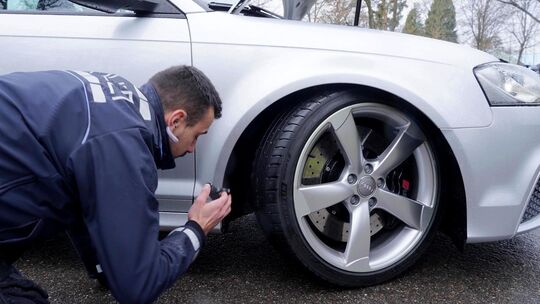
(79, 152)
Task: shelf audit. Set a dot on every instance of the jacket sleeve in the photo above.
(116, 178)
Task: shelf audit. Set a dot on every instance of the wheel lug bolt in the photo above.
(372, 202)
(355, 199)
(380, 182)
(368, 168)
(352, 179)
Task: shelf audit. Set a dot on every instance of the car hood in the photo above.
(218, 27)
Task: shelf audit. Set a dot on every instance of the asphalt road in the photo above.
(241, 267)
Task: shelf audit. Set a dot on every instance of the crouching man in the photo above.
(79, 152)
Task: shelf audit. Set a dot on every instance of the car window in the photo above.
(43, 5)
(68, 7)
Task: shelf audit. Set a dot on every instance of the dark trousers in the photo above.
(16, 289)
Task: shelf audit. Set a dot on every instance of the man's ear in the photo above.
(182, 115)
(176, 117)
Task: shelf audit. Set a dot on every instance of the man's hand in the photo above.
(208, 215)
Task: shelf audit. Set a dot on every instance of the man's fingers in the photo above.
(226, 208)
(203, 195)
(218, 203)
(221, 205)
(206, 189)
(222, 199)
(223, 194)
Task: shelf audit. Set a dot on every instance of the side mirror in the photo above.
(137, 6)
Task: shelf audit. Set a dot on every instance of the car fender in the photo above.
(448, 95)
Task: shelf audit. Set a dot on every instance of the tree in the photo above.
(388, 14)
(441, 21)
(524, 28)
(531, 13)
(338, 12)
(332, 11)
(381, 14)
(483, 21)
(413, 24)
(3, 4)
(315, 14)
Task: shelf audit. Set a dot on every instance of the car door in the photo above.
(57, 34)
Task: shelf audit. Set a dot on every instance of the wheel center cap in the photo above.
(366, 186)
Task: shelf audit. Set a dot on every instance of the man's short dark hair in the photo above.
(187, 88)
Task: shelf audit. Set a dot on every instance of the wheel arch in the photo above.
(238, 173)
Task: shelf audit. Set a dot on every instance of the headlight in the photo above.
(508, 84)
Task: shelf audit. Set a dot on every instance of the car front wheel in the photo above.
(349, 186)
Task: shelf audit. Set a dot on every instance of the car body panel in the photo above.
(500, 165)
(242, 30)
(250, 90)
(96, 40)
(251, 93)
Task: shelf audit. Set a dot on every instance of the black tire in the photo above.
(277, 164)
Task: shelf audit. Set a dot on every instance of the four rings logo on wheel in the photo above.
(366, 186)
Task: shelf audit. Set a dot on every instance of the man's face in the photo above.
(187, 135)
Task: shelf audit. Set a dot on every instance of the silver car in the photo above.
(352, 146)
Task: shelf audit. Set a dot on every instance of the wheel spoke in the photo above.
(407, 210)
(349, 139)
(358, 244)
(407, 140)
(316, 197)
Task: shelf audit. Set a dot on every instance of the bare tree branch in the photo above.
(483, 22)
(518, 6)
(523, 28)
(370, 13)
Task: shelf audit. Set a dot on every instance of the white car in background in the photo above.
(352, 146)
